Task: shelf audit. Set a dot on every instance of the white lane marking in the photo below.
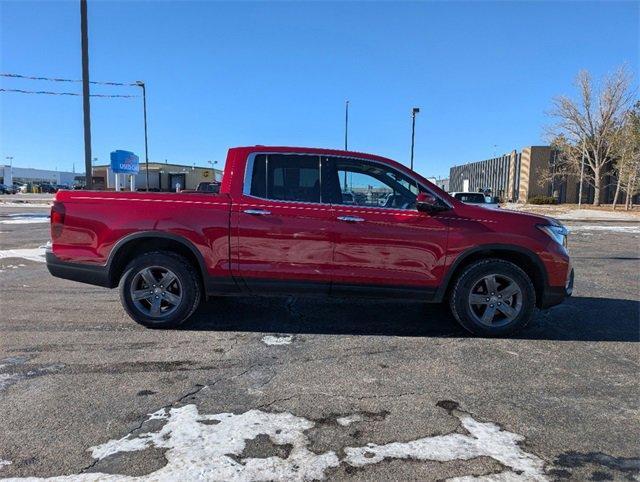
(634, 229)
(208, 446)
(31, 254)
(346, 421)
(277, 339)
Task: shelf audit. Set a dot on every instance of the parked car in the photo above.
(478, 199)
(348, 197)
(209, 187)
(278, 227)
(4, 189)
(48, 188)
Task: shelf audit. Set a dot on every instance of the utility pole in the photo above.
(146, 147)
(85, 94)
(581, 174)
(414, 111)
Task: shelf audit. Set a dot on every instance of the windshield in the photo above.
(472, 197)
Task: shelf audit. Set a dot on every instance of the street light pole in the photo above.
(581, 174)
(414, 111)
(346, 125)
(85, 94)
(146, 147)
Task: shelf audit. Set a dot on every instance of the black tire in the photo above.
(164, 307)
(475, 281)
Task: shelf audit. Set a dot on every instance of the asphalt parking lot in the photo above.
(259, 389)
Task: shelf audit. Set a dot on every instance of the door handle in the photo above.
(351, 219)
(257, 212)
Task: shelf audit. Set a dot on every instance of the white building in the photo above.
(9, 175)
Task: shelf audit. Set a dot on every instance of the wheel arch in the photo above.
(143, 242)
(525, 259)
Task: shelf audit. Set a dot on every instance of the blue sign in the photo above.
(124, 162)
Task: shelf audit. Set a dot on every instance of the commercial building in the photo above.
(9, 175)
(516, 177)
(162, 177)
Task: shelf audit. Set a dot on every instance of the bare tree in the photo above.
(593, 121)
(628, 155)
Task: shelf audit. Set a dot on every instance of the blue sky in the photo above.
(224, 74)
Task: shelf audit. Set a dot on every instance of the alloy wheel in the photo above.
(495, 300)
(156, 291)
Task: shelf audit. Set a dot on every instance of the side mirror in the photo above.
(427, 203)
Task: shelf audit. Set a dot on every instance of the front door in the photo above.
(282, 226)
(383, 245)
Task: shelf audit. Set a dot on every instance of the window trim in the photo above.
(248, 175)
(384, 164)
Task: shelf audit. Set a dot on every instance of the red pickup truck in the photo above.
(279, 226)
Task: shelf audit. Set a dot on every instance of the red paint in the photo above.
(300, 241)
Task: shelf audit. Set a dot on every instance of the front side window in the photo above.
(286, 177)
(363, 183)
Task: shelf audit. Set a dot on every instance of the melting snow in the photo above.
(345, 421)
(31, 254)
(277, 340)
(633, 229)
(207, 447)
(26, 219)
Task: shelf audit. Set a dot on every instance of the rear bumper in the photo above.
(84, 273)
(554, 295)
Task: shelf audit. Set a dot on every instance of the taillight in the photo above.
(57, 219)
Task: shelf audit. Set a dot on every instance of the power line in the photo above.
(56, 79)
(46, 92)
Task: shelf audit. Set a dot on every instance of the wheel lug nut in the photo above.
(487, 299)
(491, 306)
(499, 304)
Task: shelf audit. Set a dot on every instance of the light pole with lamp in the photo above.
(140, 83)
(213, 169)
(414, 111)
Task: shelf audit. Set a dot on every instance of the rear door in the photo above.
(383, 245)
(282, 226)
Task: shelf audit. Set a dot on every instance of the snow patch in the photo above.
(633, 229)
(346, 421)
(4, 462)
(484, 439)
(26, 219)
(209, 447)
(31, 254)
(277, 339)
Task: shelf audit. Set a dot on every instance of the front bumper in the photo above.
(554, 295)
(84, 273)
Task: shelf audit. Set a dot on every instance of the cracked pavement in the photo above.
(81, 373)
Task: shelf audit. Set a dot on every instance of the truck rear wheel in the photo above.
(160, 289)
(493, 297)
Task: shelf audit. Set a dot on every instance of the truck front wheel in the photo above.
(493, 297)
(160, 289)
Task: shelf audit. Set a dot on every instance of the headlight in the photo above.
(557, 233)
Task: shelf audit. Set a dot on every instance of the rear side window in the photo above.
(286, 177)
